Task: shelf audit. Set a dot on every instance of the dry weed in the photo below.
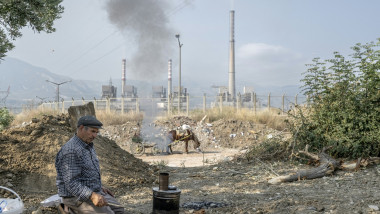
(115, 118)
(27, 114)
(272, 118)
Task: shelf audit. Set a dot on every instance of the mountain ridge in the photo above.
(28, 82)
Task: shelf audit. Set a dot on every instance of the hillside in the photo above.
(27, 81)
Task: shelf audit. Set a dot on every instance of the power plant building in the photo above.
(130, 91)
(108, 91)
(158, 92)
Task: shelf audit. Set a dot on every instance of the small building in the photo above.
(183, 93)
(130, 91)
(108, 91)
(247, 94)
(158, 92)
(222, 92)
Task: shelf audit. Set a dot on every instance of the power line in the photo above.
(176, 9)
(179, 7)
(77, 45)
(88, 50)
(92, 62)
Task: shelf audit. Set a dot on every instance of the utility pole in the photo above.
(2, 100)
(179, 76)
(58, 84)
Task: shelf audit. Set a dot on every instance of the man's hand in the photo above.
(98, 200)
(105, 190)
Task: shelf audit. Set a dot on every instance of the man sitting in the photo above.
(78, 173)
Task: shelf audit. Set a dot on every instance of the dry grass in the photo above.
(273, 118)
(111, 118)
(114, 118)
(27, 114)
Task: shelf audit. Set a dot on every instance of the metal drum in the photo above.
(166, 201)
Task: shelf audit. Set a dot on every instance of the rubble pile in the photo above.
(221, 133)
(121, 134)
(27, 157)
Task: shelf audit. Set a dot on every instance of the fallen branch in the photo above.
(319, 172)
(354, 166)
(327, 166)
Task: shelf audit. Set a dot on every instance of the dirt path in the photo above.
(192, 159)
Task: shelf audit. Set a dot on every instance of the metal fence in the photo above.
(253, 102)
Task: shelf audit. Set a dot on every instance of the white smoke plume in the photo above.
(146, 23)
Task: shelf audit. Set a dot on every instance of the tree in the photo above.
(16, 14)
(344, 98)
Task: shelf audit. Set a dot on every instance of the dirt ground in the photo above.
(243, 188)
(218, 180)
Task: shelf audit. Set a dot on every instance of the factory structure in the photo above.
(228, 94)
(169, 96)
(231, 70)
(127, 91)
(109, 91)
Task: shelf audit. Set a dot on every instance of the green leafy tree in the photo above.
(16, 14)
(344, 104)
(5, 118)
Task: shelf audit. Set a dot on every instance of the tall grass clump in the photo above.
(28, 113)
(116, 118)
(272, 118)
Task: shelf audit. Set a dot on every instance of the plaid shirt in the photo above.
(78, 171)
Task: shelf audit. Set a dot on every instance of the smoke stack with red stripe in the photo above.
(169, 77)
(123, 68)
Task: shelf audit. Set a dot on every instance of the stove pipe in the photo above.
(165, 197)
(164, 181)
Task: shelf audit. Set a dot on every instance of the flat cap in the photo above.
(89, 121)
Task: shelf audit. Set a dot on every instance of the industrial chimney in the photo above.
(231, 71)
(169, 77)
(123, 65)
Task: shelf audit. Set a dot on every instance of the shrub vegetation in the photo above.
(5, 118)
(343, 104)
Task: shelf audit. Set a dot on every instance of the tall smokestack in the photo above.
(231, 71)
(123, 68)
(169, 77)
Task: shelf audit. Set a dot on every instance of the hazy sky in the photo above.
(274, 38)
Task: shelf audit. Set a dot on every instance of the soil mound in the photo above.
(27, 156)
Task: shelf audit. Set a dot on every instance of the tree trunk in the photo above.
(328, 166)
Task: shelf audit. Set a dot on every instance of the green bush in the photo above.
(344, 104)
(5, 118)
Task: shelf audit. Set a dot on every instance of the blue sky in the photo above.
(274, 39)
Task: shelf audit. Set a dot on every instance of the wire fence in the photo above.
(187, 103)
